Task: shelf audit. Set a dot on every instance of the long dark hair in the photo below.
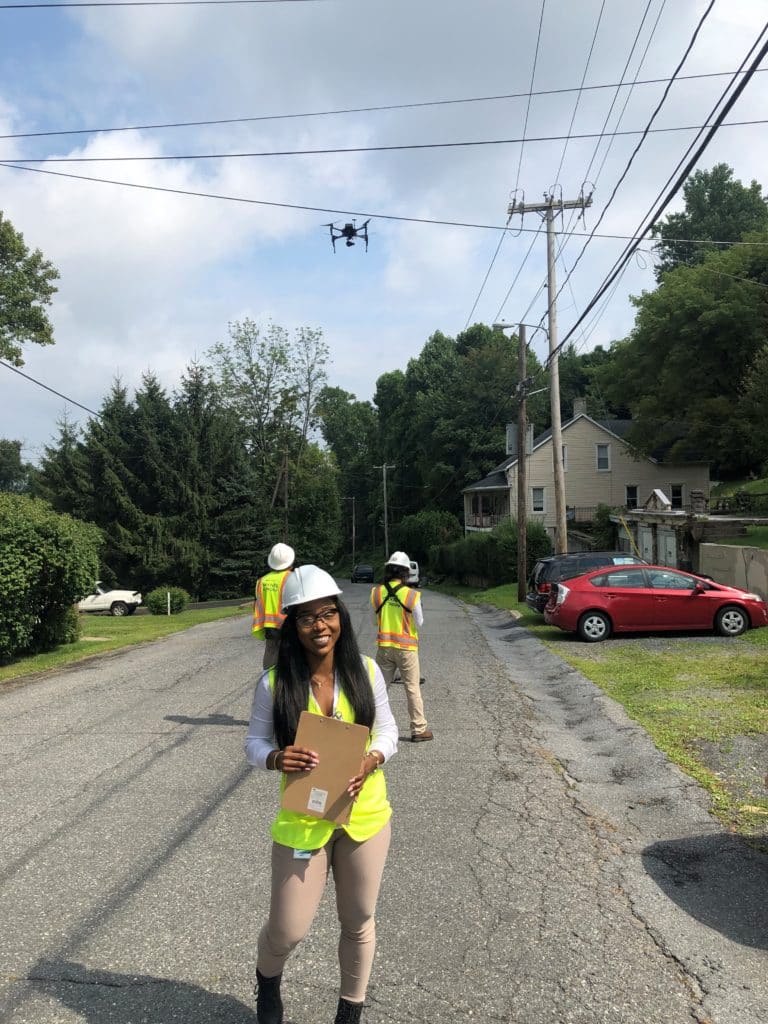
(291, 695)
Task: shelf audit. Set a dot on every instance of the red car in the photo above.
(649, 599)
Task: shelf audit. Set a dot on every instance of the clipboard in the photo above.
(322, 792)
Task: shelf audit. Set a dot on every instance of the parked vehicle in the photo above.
(650, 598)
(362, 574)
(116, 602)
(550, 570)
(414, 577)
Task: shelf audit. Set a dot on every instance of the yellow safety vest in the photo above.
(370, 812)
(267, 612)
(397, 627)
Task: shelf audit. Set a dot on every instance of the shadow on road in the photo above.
(103, 997)
(208, 720)
(717, 879)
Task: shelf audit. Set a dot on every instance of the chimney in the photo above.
(579, 407)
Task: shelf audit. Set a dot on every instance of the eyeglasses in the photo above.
(307, 620)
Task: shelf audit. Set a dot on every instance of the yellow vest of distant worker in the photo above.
(370, 812)
(267, 608)
(395, 616)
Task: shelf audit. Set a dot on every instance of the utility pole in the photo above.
(522, 429)
(384, 469)
(354, 520)
(522, 391)
(550, 208)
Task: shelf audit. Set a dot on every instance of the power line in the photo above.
(359, 110)
(654, 214)
(52, 390)
(637, 148)
(151, 3)
(517, 179)
(463, 144)
(345, 212)
(581, 90)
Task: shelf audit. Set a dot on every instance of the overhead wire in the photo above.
(345, 212)
(564, 236)
(674, 184)
(53, 391)
(503, 236)
(150, 3)
(329, 151)
(579, 94)
(636, 150)
(353, 110)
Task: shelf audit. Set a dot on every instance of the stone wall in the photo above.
(744, 567)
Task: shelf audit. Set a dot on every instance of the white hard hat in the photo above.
(307, 583)
(281, 557)
(400, 559)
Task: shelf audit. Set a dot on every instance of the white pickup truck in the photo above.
(116, 602)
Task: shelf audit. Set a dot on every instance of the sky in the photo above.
(150, 280)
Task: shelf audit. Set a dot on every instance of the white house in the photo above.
(599, 469)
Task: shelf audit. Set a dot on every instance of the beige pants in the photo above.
(391, 658)
(297, 887)
(271, 647)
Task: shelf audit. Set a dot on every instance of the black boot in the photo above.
(348, 1013)
(269, 1005)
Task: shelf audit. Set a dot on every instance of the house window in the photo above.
(603, 452)
(565, 458)
(537, 499)
(676, 495)
(631, 496)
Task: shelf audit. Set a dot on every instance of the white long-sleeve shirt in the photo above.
(261, 731)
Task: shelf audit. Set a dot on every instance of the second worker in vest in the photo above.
(268, 614)
(398, 615)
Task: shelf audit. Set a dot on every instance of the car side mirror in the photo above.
(699, 587)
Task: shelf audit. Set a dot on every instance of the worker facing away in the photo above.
(268, 614)
(398, 616)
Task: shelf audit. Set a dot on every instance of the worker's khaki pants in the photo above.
(389, 659)
(297, 887)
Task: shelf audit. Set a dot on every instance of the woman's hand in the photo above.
(371, 762)
(297, 759)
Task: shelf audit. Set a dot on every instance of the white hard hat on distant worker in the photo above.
(400, 559)
(308, 583)
(282, 556)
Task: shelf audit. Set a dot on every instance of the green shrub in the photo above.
(419, 533)
(489, 559)
(157, 600)
(47, 562)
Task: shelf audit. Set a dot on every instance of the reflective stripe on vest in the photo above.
(269, 599)
(397, 627)
(370, 812)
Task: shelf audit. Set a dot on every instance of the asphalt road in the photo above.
(548, 866)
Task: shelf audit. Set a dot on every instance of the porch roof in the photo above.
(496, 481)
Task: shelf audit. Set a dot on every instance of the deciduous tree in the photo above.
(26, 287)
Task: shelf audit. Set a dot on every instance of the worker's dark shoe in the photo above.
(422, 737)
(269, 1005)
(348, 1013)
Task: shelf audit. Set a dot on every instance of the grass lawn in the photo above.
(756, 537)
(102, 633)
(705, 705)
(730, 487)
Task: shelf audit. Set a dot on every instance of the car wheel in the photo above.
(731, 621)
(118, 608)
(593, 627)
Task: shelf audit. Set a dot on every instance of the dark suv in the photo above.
(551, 570)
(362, 574)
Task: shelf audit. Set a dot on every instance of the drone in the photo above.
(350, 232)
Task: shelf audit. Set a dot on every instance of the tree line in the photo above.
(255, 445)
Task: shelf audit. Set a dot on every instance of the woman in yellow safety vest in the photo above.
(320, 669)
